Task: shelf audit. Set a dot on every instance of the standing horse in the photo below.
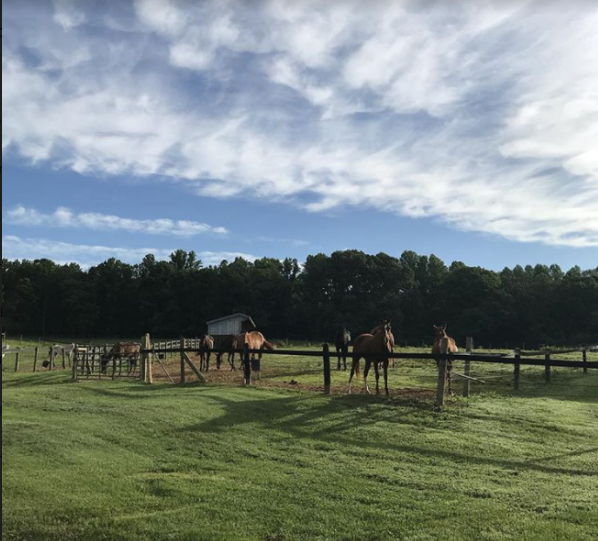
(374, 348)
(436, 350)
(206, 345)
(126, 350)
(341, 342)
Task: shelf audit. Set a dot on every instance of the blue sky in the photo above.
(285, 128)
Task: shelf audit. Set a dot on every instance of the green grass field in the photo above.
(125, 461)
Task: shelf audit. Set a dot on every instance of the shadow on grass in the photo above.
(298, 415)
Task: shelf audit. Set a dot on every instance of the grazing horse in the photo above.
(452, 348)
(206, 345)
(120, 350)
(341, 342)
(374, 348)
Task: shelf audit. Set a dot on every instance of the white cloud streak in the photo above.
(14, 247)
(64, 217)
(479, 114)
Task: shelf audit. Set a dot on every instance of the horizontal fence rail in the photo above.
(524, 361)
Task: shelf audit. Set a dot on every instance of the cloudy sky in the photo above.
(283, 128)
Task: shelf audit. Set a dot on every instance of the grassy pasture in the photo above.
(124, 461)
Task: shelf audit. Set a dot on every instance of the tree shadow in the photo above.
(333, 420)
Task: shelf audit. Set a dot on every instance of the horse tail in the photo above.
(268, 345)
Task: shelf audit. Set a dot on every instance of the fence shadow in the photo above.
(334, 420)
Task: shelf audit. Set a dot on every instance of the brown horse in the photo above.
(206, 345)
(254, 339)
(126, 350)
(436, 350)
(380, 327)
(374, 348)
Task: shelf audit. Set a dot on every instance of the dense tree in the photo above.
(531, 305)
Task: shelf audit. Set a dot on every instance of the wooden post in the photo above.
(467, 371)
(17, 361)
(246, 365)
(517, 369)
(327, 376)
(63, 359)
(142, 363)
(147, 359)
(547, 366)
(51, 358)
(35, 356)
(444, 345)
(183, 376)
(585, 360)
(74, 364)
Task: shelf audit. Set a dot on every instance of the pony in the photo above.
(374, 348)
(440, 333)
(341, 342)
(127, 350)
(206, 345)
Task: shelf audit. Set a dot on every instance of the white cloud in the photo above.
(479, 114)
(14, 247)
(67, 15)
(64, 217)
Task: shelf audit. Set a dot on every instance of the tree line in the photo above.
(523, 306)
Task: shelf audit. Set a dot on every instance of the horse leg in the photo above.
(353, 367)
(368, 364)
(449, 367)
(338, 361)
(377, 372)
(386, 377)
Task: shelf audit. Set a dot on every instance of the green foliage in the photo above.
(527, 306)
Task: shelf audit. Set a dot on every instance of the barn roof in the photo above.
(233, 316)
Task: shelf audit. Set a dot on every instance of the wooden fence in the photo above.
(183, 347)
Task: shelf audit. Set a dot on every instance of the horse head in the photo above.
(440, 331)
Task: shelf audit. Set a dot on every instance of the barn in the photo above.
(233, 324)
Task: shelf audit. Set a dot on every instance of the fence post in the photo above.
(74, 364)
(17, 361)
(547, 366)
(183, 375)
(63, 359)
(585, 360)
(517, 369)
(246, 365)
(444, 345)
(147, 360)
(467, 371)
(327, 377)
(35, 356)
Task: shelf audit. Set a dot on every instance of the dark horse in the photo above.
(341, 342)
(436, 350)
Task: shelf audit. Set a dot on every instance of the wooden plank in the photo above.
(547, 368)
(35, 357)
(194, 368)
